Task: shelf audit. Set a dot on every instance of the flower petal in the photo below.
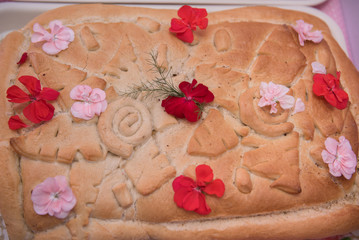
(50, 48)
(191, 200)
(22, 59)
(203, 208)
(178, 26)
(180, 195)
(48, 94)
(39, 111)
(174, 106)
(204, 174)
(32, 84)
(186, 36)
(185, 12)
(286, 101)
(82, 110)
(97, 95)
(16, 123)
(215, 188)
(17, 95)
(191, 111)
(80, 92)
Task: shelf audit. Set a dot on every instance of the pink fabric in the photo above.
(333, 9)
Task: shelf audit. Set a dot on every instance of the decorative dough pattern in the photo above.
(125, 124)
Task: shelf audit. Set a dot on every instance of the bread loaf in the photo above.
(126, 163)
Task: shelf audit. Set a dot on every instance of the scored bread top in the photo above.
(121, 165)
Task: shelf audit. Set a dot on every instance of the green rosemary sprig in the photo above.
(161, 86)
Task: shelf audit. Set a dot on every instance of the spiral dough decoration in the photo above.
(125, 124)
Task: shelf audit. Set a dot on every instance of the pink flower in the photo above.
(272, 93)
(304, 33)
(56, 41)
(54, 197)
(299, 106)
(318, 68)
(93, 102)
(340, 157)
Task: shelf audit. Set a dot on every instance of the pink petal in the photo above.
(96, 108)
(66, 34)
(68, 205)
(55, 26)
(82, 110)
(318, 68)
(50, 48)
(286, 101)
(80, 92)
(327, 157)
(315, 36)
(299, 106)
(40, 34)
(331, 145)
(61, 182)
(41, 209)
(97, 95)
(40, 197)
(61, 215)
(61, 44)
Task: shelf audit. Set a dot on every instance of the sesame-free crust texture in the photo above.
(121, 165)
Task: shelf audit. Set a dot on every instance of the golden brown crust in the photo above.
(121, 165)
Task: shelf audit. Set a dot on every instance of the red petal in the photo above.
(182, 181)
(17, 95)
(32, 84)
(203, 208)
(16, 123)
(203, 23)
(331, 99)
(342, 98)
(204, 174)
(48, 94)
(215, 188)
(200, 93)
(191, 111)
(179, 196)
(23, 58)
(200, 12)
(178, 26)
(187, 87)
(185, 12)
(320, 87)
(39, 111)
(187, 36)
(174, 106)
(192, 200)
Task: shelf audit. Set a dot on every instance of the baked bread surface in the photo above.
(121, 165)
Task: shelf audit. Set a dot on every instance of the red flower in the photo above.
(329, 86)
(16, 123)
(22, 59)
(189, 193)
(189, 106)
(190, 19)
(38, 110)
